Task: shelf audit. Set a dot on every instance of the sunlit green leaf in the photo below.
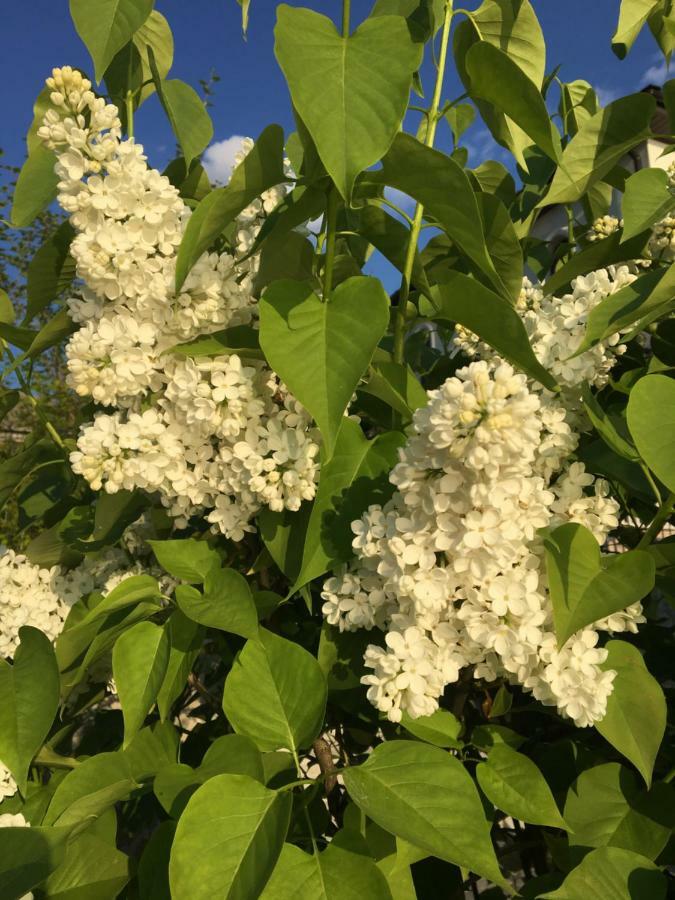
(612, 872)
(140, 657)
(105, 26)
(651, 420)
(598, 145)
(334, 874)
(646, 200)
(185, 641)
(36, 186)
(27, 856)
(187, 559)
(275, 693)
(29, 699)
(498, 80)
(578, 102)
(632, 16)
(635, 720)
(186, 112)
(443, 187)
(351, 92)
(88, 790)
(50, 271)
(91, 868)
(226, 603)
(427, 797)
(586, 586)
(441, 728)
(463, 299)
(612, 429)
(348, 483)
(235, 828)
(597, 255)
(459, 118)
(515, 785)
(606, 806)
(321, 349)
(641, 301)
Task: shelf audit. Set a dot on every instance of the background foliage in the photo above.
(238, 755)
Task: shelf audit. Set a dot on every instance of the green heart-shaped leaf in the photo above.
(321, 349)
(227, 602)
(106, 25)
(350, 92)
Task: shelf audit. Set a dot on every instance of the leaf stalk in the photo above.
(659, 520)
(411, 250)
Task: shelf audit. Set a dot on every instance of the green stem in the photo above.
(563, 104)
(294, 784)
(570, 228)
(331, 234)
(448, 105)
(411, 250)
(659, 520)
(332, 205)
(346, 5)
(652, 483)
(47, 757)
(469, 14)
(129, 104)
(301, 780)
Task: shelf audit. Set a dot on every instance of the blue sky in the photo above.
(38, 35)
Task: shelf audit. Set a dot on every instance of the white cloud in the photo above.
(218, 158)
(481, 146)
(656, 73)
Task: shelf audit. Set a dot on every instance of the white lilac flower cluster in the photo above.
(42, 598)
(218, 435)
(452, 567)
(14, 820)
